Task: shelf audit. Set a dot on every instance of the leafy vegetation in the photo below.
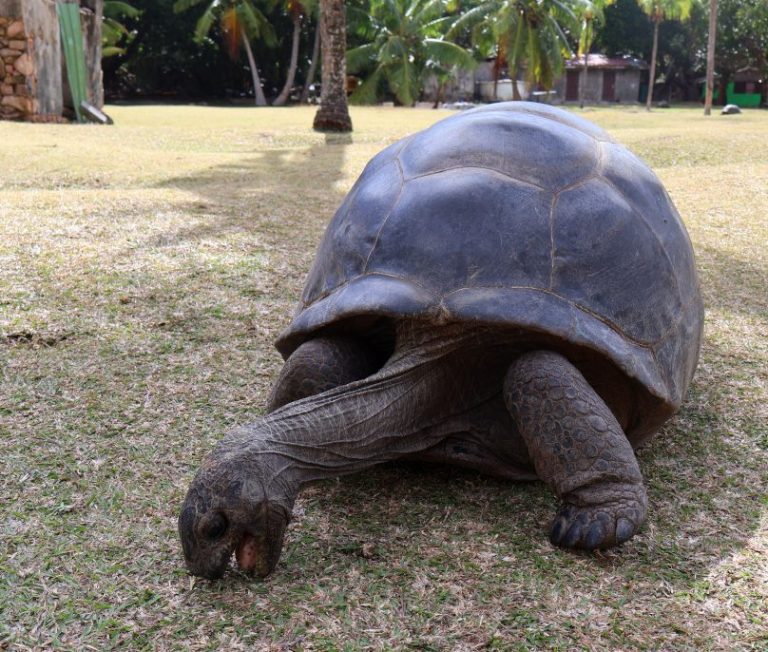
(115, 35)
(524, 35)
(240, 21)
(399, 42)
(407, 42)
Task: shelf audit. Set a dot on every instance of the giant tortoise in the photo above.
(508, 290)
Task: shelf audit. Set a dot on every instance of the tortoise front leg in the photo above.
(579, 449)
(319, 365)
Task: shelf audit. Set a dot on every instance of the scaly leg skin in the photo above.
(319, 365)
(578, 449)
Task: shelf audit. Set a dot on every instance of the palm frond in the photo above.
(402, 80)
(516, 44)
(438, 26)
(183, 5)
(561, 41)
(112, 30)
(448, 54)
(368, 91)
(361, 57)
(393, 50)
(232, 32)
(360, 23)
(204, 23)
(470, 19)
(427, 11)
(111, 51)
(116, 8)
(256, 24)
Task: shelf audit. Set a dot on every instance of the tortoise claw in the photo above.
(595, 527)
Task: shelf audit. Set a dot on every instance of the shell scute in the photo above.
(353, 232)
(642, 190)
(501, 246)
(526, 147)
(608, 263)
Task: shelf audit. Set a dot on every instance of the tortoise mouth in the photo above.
(257, 554)
(247, 552)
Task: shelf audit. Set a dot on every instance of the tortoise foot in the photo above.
(584, 526)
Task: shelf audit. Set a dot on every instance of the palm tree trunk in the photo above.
(711, 57)
(283, 97)
(652, 71)
(439, 95)
(312, 66)
(583, 81)
(333, 114)
(515, 91)
(260, 100)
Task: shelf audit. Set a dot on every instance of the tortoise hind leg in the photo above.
(579, 449)
(322, 364)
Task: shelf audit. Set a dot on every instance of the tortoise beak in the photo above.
(259, 548)
(258, 555)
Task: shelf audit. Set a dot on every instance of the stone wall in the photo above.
(18, 86)
(33, 84)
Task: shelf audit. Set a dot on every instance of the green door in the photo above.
(74, 55)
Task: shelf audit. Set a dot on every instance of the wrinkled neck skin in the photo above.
(359, 425)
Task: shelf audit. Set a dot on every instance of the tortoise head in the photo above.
(227, 510)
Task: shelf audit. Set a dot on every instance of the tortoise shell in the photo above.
(524, 215)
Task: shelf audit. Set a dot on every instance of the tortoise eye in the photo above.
(216, 527)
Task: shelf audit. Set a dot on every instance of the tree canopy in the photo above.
(393, 45)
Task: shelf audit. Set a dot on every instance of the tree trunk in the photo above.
(333, 114)
(258, 94)
(439, 95)
(652, 70)
(283, 97)
(583, 80)
(312, 67)
(711, 57)
(515, 91)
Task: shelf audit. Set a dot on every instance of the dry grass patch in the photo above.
(147, 268)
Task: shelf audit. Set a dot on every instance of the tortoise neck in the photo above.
(396, 412)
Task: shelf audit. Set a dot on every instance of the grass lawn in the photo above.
(145, 270)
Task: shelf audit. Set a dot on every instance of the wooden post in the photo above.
(711, 57)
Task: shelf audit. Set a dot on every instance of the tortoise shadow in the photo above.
(270, 192)
(268, 208)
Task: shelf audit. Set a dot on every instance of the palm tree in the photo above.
(657, 11)
(408, 44)
(333, 114)
(589, 12)
(523, 32)
(240, 21)
(115, 35)
(297, 10)
(710, 57)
